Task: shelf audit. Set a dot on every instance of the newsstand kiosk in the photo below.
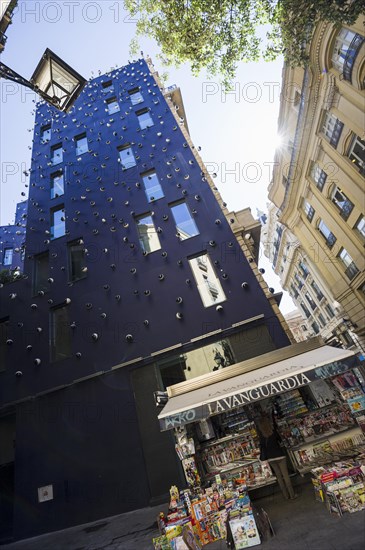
(318, 394)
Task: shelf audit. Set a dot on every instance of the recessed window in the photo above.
(332, 128)
(315, 327)
(126, 157)
(309, 210)
(41, 273)
(342, 202)
(58, 223)
(135, 96)
(112, 105)
(56, 154)
(357, 154)
(4, 329)
(185, 224)
(81, 144)
(60, 333)
(321, 320)
(144, 118)
(148, 236)
(152, 186)
(46, 133)
(295, 292)
(57, 184)
(319, 176)
(345, 51)
(351, 269)
(299, 281)
(208, 284)
(304, 269)
(360, 226)
(8, 256)
(76, 261)
(317, 290)
(310, 301)
(326, 234)
(107, 86)
(305, 310)
(329, 311)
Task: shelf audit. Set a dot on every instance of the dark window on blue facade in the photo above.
(4, 323)
(81, 144)
(8, 256)
(148, 236)
(152, 186)
(41, 273)
(58, 222)
(57, 184)
(107, 86)
(136, 96)
(144, 118)
(126, 156)
(112, 105)
(46, 133)
(185, 224)
(60, 333)
(56, 154)
(76, 261)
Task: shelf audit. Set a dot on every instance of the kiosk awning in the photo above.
(267, 381)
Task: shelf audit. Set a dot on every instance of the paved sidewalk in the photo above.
(302, 524)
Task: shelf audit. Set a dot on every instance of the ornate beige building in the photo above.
(318, 183)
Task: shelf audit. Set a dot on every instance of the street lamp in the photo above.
(54, 80)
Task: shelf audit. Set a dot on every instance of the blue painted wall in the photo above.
(101, 202)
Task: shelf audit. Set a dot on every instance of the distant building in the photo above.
(12, 240)
(6, 11)
(297, 325)
(318, 184)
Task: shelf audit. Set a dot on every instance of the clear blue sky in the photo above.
(236, 132)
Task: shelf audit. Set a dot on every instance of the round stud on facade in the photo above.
(40, 293)
(106, 287)
(224, 276)
(179, 316)
(50, 280)
(179, 300)
(244, 285)
(73, 325)
(219, 308)
(29, 348)
(12, 296)
(50, 301)
(161, 277)
(18, 373)
(146, 322)
(129, 338)
(37, 361)
(88, 305)
(272, 290)
(217, 222)
(103, 315)
(78, 355)
(188, 281)
(261, 270)
(95, 336)
(118, 297)
(212, 243)
(133, 270)
(147, 292)
(164, 254)
(9, 342)
(34, 306)
(197, 197)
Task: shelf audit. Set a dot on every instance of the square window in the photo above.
(144, 118)
(148, 236)
(126, 157)
(319, 176)
(327, 234)
(135, 96)
(152, 186)
(332, 128)
(309, 210)
(57, 184)
(76, 261)
(8, 256)
(60, 334)
(58, 223)
(360, 226)
(185, 224)
(112, 105)
(107, 86)
(208, 284)
(357, 154)
(81, 144)
(351, 270)
(56, 154)
(342, 202)
(41, 273)
(45, 133)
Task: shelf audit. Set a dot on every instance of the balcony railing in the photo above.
(3, 39)
(351, 271)
(350, 57)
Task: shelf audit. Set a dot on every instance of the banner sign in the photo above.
(228, 398)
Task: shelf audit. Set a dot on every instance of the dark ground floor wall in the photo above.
(85, 441)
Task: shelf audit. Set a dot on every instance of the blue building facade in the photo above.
(12, 240)
(133, 276)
